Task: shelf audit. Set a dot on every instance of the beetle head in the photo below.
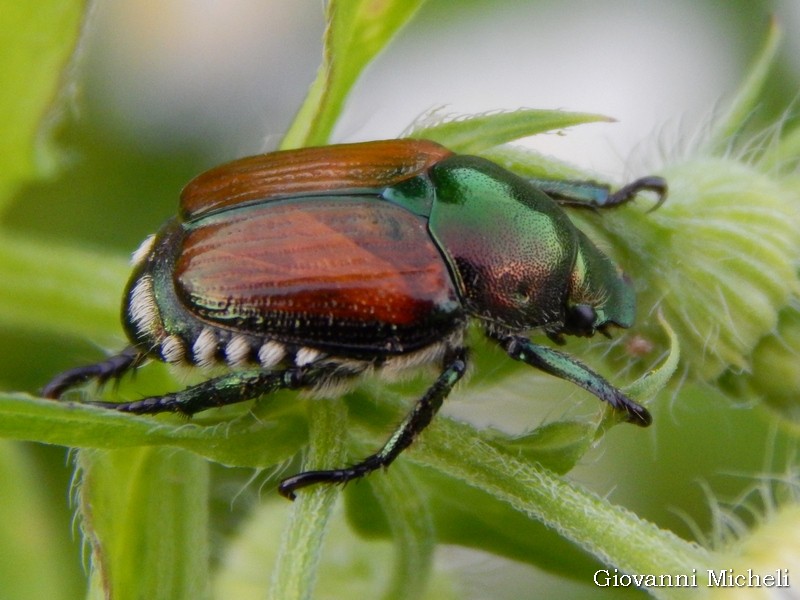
(599, 294)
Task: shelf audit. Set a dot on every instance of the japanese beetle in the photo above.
(302, 268)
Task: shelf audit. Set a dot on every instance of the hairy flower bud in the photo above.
(719, 259)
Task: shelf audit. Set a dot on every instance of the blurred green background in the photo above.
(160, 91)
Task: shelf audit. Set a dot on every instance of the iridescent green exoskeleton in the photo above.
(300, 268)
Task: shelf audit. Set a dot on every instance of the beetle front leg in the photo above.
(111, 368)
(564, 366)
(626, 193)
(417, 420)
(588, 194)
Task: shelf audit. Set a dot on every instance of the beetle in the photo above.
(302, 268)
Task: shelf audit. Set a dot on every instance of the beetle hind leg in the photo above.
(111, 368)
(417, 420)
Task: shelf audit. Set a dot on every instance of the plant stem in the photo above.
(295, 570)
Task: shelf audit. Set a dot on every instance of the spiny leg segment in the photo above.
(111, 368)
(565, 367)
(230, 388)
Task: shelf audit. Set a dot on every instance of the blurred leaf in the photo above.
(529, 163)
(60, 288)
(36, 41)
(474, 133)
(33, 564)
(407, 513)
(749, 92)
(357, 31)
(145, 514)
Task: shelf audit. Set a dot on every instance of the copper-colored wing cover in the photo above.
(349, 272)
(289, 173)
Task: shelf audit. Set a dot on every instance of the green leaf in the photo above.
(475, 133)
(557, 446)
(262, 437)
(36, 41)
(357, 31)
(648, 386)
(613, 534)
(466, 516)
(145, 514)
(529, 163)
(58, 288)
(749, 93)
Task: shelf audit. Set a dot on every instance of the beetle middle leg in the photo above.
(231, 388)
(417, 420)
(565, 367)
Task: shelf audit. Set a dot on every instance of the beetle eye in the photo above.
(581, 319)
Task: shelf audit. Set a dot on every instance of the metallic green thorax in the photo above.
(511, 247)
(518, 260)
